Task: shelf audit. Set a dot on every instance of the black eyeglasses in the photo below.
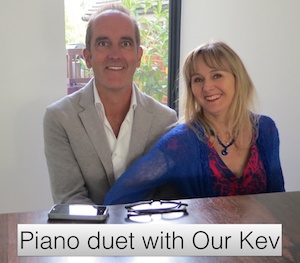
(155, 207)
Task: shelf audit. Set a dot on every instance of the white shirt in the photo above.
(119, 146)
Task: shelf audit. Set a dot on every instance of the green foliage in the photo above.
(75, 27)
(153, 19)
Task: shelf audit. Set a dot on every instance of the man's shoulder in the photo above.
(72, 100)
(65, 101)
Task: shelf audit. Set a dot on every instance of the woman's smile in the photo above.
(213, 98)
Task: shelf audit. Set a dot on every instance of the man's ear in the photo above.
(87, 57)
(140, 54)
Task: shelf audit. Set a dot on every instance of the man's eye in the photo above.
(126, 44)
(102, 44)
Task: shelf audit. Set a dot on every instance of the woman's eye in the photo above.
(217, 76)
(197, 79)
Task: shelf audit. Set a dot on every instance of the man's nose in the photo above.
(115, 52)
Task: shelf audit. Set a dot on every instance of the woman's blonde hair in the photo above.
(220, 56)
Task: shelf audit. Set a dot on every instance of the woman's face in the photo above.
(213, 89)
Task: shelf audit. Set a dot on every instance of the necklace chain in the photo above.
(225, 151)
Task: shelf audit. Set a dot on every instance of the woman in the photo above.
(222, 149)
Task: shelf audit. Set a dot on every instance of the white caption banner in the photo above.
(149, 240)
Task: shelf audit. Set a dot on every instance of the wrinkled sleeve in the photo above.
(144, 175)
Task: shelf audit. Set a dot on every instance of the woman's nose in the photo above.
(207, 85)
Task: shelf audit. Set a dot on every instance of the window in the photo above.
(159, 22)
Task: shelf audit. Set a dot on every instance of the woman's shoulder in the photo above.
(185, 130)
(268, 131)
(266, 121)
(181, 139)
(183, 135)
(181, 127)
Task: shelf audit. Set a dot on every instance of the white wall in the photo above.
(32, 75)
(266, 35)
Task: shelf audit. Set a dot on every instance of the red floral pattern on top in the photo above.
(252, 181)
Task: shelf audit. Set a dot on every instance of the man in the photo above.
(93, 135)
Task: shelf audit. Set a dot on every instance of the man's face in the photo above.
(114, 54)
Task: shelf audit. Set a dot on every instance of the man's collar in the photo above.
(133, 102)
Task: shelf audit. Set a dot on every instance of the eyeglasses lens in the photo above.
(156, 205)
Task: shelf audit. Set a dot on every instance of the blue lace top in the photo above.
(226, 183)
(180, 158)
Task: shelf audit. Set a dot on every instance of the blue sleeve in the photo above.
(175, 160)
(147, 173)
(269, 143)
